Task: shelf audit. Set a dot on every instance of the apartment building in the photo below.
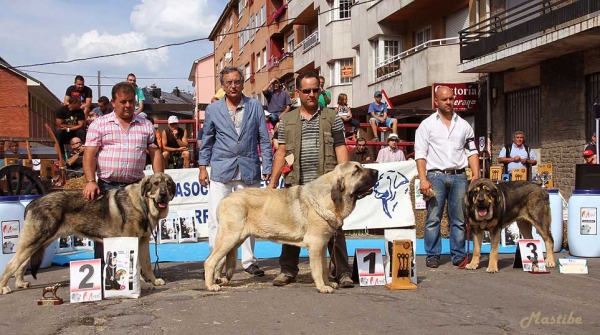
(255, 35)
(400, 47)
(543, 60)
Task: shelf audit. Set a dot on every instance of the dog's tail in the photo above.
(36, 261)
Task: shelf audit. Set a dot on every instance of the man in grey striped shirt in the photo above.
(315, 137)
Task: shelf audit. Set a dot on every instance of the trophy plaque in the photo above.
(518, 174)
(545, 175)
(401, 266)
(50, 301)
(496, 173)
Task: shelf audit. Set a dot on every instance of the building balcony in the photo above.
(417, 69)
(530, 33)
(279, 67)
(306, 51)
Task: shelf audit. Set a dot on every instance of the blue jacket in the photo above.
(226, 151)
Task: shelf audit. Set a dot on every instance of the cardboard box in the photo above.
(11, 161)
(47, 168)
(519, 174)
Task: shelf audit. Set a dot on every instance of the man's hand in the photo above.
(203, 177)
(523, 161)
(182, 149)
(517, 158)
(425, 188)
(90, 191)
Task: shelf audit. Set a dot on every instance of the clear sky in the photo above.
(40, 31)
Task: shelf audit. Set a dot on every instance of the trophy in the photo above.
(544, 177)
(54, 299)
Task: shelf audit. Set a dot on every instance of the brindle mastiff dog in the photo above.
(305, 216)
(493, 206)
(133, 211)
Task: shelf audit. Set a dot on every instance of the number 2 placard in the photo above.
(370, 267)
(86, 281)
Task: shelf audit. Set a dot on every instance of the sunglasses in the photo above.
(308, 90)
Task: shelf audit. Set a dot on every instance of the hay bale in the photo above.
(75, 183)
(421, 215)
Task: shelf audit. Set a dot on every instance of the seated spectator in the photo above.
(75, 161)
(104, 106)
(379, 116)
(82, 92)
(391, 153)
(175, 141)
(218, 95)
(345, 113)
(70, 122)
(12, 150)
(361, 152)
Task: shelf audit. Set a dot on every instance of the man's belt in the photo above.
(458, 171)
(114, 183)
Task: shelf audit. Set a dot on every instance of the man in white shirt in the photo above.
(391, 153)
(444, 146)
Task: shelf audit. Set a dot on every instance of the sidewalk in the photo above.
(448, 301)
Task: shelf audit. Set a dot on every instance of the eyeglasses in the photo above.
(308, 90)
(232, 82)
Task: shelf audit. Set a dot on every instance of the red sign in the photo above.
(466, 96)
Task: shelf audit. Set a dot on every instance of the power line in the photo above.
(181, 43)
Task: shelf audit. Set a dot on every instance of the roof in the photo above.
(191, 77)
(33, 84)
(168, 101)
(217, 28)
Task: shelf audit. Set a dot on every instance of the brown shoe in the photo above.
(282, 279)
(346, 282)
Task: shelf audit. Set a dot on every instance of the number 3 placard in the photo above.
(370, 267)
(532, 256)
(86, 281)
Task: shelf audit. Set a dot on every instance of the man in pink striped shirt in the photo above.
(391, 153)
(116, 146)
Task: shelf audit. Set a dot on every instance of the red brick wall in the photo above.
(14, 109)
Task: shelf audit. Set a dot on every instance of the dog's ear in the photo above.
(337, 191)
(145, 184)
(171, 186)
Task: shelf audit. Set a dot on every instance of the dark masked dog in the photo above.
(133, 211)
(305, 216)
(492, 207)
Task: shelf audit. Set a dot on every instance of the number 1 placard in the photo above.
(86, 281)
(370, 267)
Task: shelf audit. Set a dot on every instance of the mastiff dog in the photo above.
(493, 206)
(133, 211)
(305, 216)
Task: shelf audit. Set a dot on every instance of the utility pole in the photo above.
(99, 85)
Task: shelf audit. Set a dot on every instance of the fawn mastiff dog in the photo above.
(493, 206)
(133, 211)
(305, 216)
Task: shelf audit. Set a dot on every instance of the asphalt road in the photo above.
(447, 301)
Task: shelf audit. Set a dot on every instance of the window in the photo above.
(246, 35)
(241, 41)
(386, 57)
(357, 62)
(342, 71)
(231, 54)
(257, 20)
(341, 9)
(263, 14)
(252, 27)
(230, 21)
(422, 36)
(258, 60)
(290, 43)
(221, 64)
(240, 8)
(523, 112)
(248, 73)
(264, 51)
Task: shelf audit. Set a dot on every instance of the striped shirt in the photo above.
(309, 151)
(121, 155)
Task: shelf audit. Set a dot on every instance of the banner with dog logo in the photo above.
(389, 206)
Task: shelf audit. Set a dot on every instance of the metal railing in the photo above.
(527, 19)
(308, 42)
(391, 66)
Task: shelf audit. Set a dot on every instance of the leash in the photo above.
(463, 265)
(332, 259)
(157, 272)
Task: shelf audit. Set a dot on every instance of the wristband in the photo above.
(91, 181)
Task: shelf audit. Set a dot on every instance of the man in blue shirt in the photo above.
(279, 101)
(517, 154)
(379, 117)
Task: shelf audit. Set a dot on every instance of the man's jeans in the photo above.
(452, 188)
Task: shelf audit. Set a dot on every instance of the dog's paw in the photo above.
(159, 282)
(550, 263)
(334, 285)
(6, 290)
(146, 286)
(492, 269)
(472, 266)
(22, 284)
(213, 288)
(325, 289)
